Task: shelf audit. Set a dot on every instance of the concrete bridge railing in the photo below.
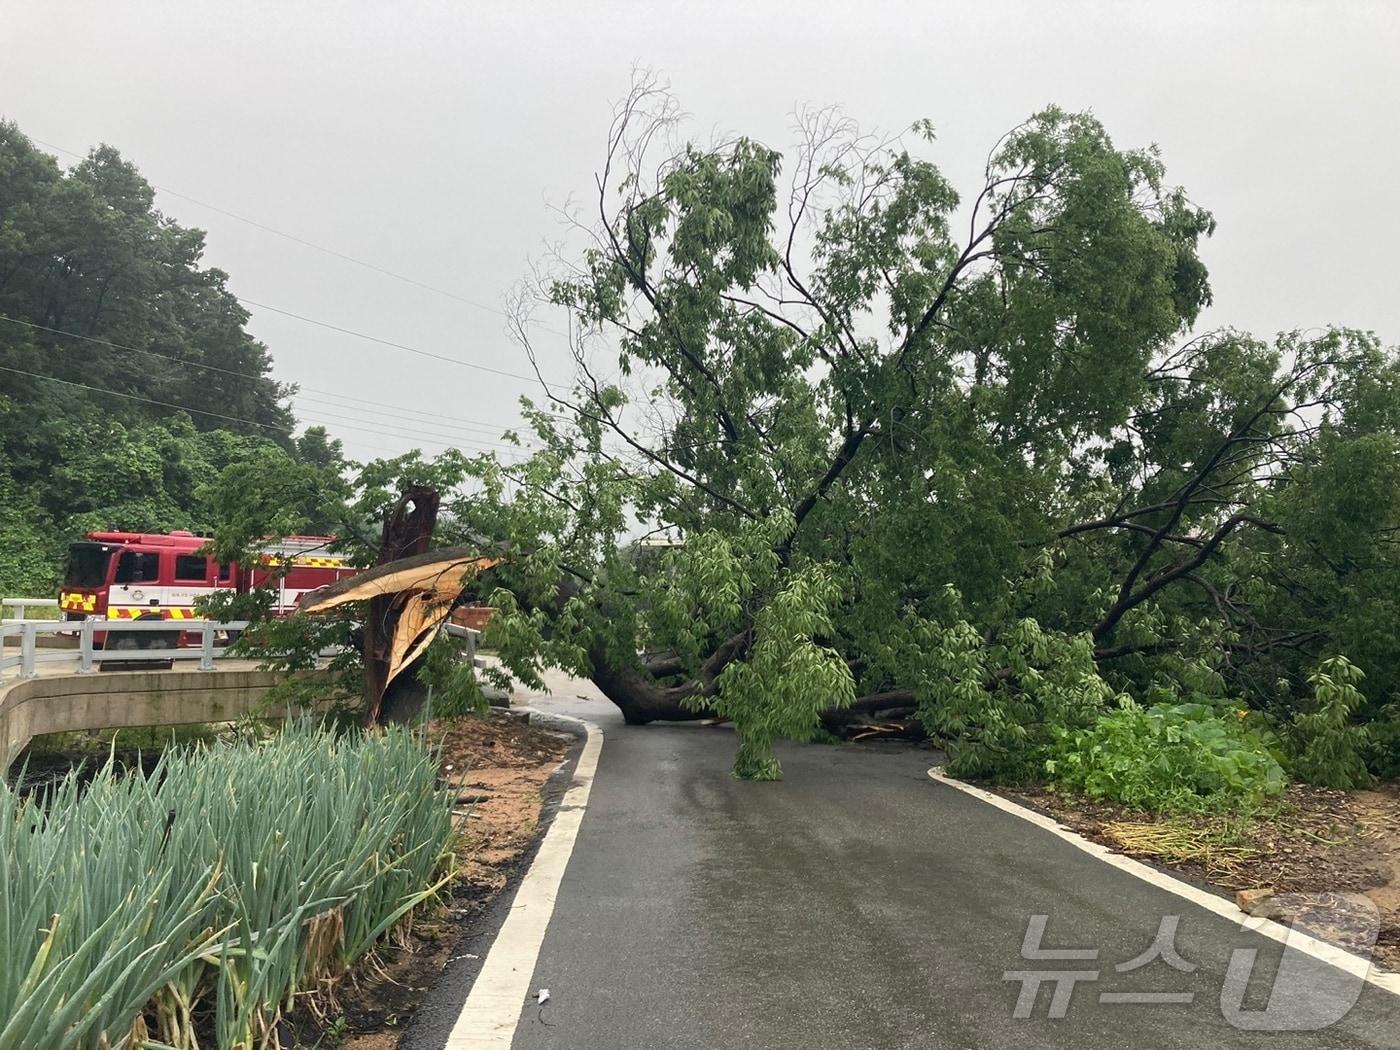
(56, 690)
(23, 654)
(22, 606)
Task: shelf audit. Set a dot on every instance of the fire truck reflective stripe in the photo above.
(309, 563)
(77, 602)
(132, 612)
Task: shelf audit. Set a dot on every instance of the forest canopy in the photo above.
(127, 380)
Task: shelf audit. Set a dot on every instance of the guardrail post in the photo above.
(85, 633)
(27, 645)
(206, 647)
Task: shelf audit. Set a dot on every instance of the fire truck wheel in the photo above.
(133, 641)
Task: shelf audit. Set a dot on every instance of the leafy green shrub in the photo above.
(996, 705)
(1168, 757)
(210, 891)
(456, 691)
(1330, 748)
(1383, 749)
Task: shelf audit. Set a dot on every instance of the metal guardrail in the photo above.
(25, 662)
(25, 657)
(23, 605)
(471, 636)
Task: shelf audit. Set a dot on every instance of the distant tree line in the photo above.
(128, 382)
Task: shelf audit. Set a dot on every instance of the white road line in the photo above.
(492, 1010)
(1328, 953)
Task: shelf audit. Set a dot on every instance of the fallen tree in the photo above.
(844, 450)
(954, 466)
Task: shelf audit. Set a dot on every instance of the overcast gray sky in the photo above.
(431, 138)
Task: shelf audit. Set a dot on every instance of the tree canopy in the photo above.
(956, 459)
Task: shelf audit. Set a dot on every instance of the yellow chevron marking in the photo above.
(307, 563)
(132, 613)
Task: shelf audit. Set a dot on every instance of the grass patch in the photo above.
(1221, 846)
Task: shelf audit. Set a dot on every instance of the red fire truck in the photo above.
(133, 575)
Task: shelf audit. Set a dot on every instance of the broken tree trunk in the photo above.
(409, 601)
(640, 699)
(411, 596)
(407, 531)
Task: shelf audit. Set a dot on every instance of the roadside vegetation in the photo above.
(193, 905)
(1210, 753)
(127, 380)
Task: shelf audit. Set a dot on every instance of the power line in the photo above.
(404, 432)
(133, 349)
(387, 411)
(376, 268)
(451, 421)
(137, 397)
(427, 447)
(232, 419)
(348, 258)
(404, 408)
(385, 271)
(389, 342)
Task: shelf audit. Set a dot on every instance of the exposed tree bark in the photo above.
(641, 699)
(407, 532)
(662, 665)
(877, 707)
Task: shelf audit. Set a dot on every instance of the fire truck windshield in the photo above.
(87, 564)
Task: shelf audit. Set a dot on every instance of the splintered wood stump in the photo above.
(409, 595)
(407, 532)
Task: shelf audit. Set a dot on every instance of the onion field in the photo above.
(187, 907)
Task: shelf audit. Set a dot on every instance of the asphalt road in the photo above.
(858, 904)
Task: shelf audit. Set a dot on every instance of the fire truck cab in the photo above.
(130, 575)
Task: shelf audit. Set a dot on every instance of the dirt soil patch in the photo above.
(499, 766)
(1327, 847)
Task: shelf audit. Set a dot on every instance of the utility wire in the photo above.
(220, 415)
(389, 342)
(405, 431)
(137, 397)
(348, 258)
(480, 423)
(451, 421)
(397, 413)
(385, 271)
